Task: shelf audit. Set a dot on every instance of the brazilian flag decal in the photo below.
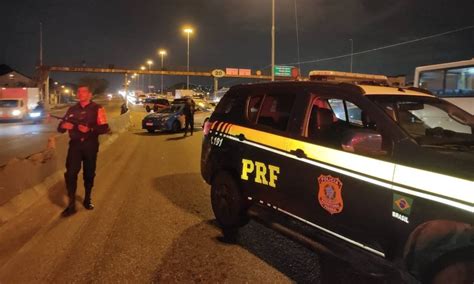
(402, 204)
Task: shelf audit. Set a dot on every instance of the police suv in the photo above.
(387, 173)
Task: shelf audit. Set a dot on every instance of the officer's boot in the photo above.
(87, 200)
(71, 207)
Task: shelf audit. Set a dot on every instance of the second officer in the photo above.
(84, 121)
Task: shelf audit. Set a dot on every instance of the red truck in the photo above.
(16, 103)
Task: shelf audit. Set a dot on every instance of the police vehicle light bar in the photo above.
(324, 75)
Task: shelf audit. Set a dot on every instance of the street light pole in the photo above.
(143, 78)
(162, 54)
(188, 31)
(187, 80)
(297, 37)
(273, 40)
(352, 51)
(149, 62)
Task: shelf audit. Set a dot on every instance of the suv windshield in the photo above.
(430, 121)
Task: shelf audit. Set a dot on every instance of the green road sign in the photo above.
(284, 71)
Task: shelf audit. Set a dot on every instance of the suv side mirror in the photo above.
(363, 141)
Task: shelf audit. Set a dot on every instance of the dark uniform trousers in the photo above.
(85, 153)
(188, 123)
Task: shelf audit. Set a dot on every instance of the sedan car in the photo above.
(172, 118)
(155, 104)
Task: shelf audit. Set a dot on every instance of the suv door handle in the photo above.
(299, 153)
(241, 137)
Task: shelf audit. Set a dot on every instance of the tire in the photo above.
(148, 109)
(453, 269)
(228, 203)
(150, 130)
(459, 272)
(175, 127)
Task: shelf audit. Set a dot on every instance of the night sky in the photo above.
(234, 33)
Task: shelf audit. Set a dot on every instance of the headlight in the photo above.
(35, 114)
(16, 112)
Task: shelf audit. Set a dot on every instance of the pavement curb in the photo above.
(28, 197)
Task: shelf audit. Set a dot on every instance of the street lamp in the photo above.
(149, 63)
(188, 31)
(143, 68)
(162, 53)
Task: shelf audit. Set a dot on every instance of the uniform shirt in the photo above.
(92, 116)
(188, 109)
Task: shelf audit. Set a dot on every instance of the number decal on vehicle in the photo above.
(217, 141)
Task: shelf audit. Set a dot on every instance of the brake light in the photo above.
(207, 127)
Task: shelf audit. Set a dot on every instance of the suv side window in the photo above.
(346, 111)
(329, 118)
(276, 110)
(253, 106)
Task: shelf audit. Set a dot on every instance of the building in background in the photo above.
(10, 78)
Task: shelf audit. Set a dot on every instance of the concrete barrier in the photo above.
(24, 181)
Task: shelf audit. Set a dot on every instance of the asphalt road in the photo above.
(152, 223)
(21, 139)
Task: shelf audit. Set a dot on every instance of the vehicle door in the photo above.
(264, 172)
(334, 189)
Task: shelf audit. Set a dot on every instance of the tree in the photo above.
(96, 85)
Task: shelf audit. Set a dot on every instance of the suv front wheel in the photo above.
(228, 204)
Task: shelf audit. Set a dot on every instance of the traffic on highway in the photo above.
(237, 142)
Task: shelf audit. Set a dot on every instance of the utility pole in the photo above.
(352, 51)
(43, 76)
(126, 88)
(41, 45)
(297, 38)
(273, 40)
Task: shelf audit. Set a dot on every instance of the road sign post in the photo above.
(217, 73)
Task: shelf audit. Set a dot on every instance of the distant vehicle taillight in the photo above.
(207, 127)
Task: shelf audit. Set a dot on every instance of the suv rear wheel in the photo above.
(228, 203)
(453, 268)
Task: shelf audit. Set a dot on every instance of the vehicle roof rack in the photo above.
(337, 76)
(421, 90)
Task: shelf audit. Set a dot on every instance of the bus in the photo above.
(452, 81)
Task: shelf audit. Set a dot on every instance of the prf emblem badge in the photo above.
(330, 194)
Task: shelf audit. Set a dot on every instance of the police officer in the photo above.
(188, 112)
(84, 121)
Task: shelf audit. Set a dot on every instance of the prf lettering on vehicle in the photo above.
(264, 174)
